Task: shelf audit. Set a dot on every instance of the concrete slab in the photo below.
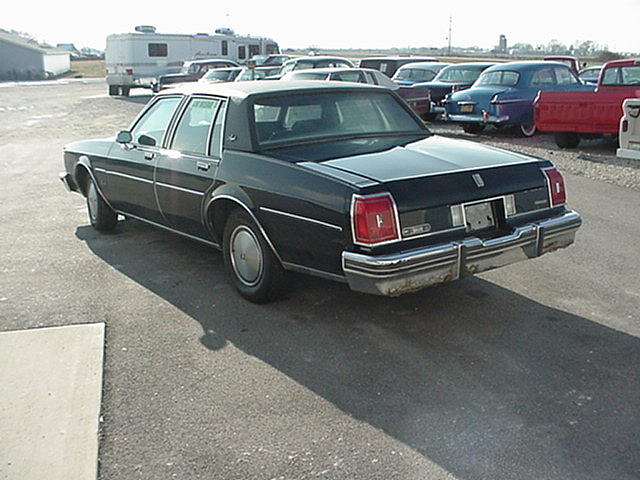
(50, 391)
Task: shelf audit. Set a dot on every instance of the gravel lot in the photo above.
(530, 372)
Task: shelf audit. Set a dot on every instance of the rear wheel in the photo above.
(114, 90)
(124, 91)
(101, 215)
(528, 130)
(473, 127)
(566, 139)
(255, 271)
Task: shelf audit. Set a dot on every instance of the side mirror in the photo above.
(147, 140)
(124, 137)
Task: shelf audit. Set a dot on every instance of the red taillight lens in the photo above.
(555, 182)
(625, 125)
(129, 71)
(374, 219)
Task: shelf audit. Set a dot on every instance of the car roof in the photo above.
(243, 90)
(525, 65)
(432, 59)
(209, 60)
(422, 65)
(475, 64)
(316, 58)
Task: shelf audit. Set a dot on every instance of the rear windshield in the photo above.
(622, 76)
(414, 74)
(298, 119)
(453, 75)
(220, 75)
(505, 78)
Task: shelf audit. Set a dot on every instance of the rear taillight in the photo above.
(374, 219)
(625, 125)
(555, 182)
(129, 71)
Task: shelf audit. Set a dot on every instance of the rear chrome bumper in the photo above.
(412, 270)
(492, 119)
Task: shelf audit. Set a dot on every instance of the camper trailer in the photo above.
(136, 59)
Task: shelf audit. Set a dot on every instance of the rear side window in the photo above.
(158, 49)
(543, 78)
(565, 77)
(193, 128)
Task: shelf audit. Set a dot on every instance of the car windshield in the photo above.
(456, 74)
(185, 68)
(252, 74)
(309, 76)
(414, 74)
(308, 118)
(622, 76)
(505, 78)
(259, 59)
(590, 74)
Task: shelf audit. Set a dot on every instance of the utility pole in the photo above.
(449, 49)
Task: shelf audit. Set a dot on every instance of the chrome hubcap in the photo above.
(246, 255)
(92, 202)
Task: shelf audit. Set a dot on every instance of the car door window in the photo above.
(153, 124)
(193, 128)
(543, 78)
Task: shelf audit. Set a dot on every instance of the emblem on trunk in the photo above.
(478, 179)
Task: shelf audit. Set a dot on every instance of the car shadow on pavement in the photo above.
(485, 382)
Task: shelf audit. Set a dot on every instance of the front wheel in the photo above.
(254, 270)
(528, 130)
(473, 127)
(101, 215)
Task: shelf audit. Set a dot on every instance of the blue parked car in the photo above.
(503, 95)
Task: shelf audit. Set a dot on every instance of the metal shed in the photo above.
(22, 59)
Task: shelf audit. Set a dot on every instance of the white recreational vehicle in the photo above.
(134, 59)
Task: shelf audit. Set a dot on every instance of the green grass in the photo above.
(87, 69)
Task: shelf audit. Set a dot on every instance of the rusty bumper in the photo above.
(412, 270)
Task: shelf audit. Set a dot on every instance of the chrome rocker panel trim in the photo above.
(412, 270)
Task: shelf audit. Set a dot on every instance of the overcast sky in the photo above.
(339, 24)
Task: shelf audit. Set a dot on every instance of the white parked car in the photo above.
(630, 129)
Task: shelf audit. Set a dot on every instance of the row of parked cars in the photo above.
(530, 95)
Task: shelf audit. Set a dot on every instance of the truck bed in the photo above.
(581, 112)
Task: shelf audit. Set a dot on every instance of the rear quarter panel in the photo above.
(280, 192)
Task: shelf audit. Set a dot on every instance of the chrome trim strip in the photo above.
(299, 217)
(312, 271)
(172, 230)
(182, 189)
(435, 232)
(248, 210)
(131, 177)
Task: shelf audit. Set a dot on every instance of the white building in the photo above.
(21, 59)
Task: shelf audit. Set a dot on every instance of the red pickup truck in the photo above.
(574, 115)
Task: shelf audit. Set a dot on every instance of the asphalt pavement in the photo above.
(527, 372)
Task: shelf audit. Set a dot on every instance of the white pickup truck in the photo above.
(630, 129)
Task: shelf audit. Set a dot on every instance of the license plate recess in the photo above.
(479, 216)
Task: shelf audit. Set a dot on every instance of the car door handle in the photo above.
(149, 155)
(203, 166)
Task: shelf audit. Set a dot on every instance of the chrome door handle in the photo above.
(203, 166)
(149, 155)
